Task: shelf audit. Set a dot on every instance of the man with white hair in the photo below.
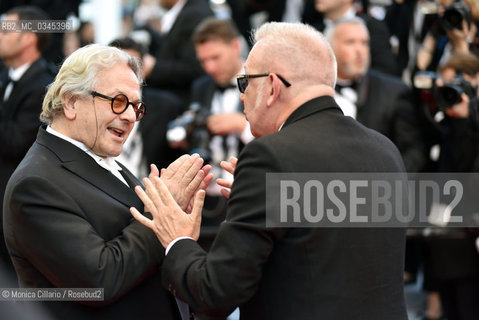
(290, 272)
(66, 217)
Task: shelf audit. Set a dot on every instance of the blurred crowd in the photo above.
(406, 68)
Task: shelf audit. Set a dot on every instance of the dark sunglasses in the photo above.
(242, 80)
(120, 103)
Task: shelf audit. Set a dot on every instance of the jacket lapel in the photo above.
(81, 164)
(37, 67)
(3, 86)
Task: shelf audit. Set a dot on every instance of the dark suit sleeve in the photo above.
(60, 242)
(230, 274)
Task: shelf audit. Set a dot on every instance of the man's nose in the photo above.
(129, 114)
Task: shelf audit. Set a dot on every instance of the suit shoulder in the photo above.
(44, 69)
(37, 157)
(36, 169)
(37, 78)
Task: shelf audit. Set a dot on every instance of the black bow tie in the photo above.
(353, 85)
(222, 88)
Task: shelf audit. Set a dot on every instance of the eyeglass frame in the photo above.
(136, 105)
(242, 77)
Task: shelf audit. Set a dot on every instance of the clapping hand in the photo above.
(229, 166)
(169, 220)
(183, 178)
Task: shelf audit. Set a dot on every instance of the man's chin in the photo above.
(108, 153)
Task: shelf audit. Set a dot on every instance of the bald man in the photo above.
(290, 272)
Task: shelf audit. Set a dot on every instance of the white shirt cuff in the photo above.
(173, 242)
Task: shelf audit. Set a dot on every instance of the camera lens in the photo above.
(454, 18)
(448, 96)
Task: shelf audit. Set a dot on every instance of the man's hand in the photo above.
(459, 37)
(183, 178)
(230, 167)
(226, 123)
(460, 110)
(169, 220)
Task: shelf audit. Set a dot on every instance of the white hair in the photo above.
(78, 74)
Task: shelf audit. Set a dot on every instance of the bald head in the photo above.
(296, 51)
(289, 64)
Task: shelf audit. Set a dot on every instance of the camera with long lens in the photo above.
(454, 15)
(190, 131)
(445, 96)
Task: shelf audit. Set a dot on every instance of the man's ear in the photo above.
(29, 39)
(236, 44)
(275, 89)
(69, 103)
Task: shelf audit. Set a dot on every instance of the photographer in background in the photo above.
(449, 99)
(454, 31)
(461, 124)
(451, 260)
(214, 126)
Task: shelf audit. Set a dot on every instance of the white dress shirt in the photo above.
(170, 16)
(15, 75)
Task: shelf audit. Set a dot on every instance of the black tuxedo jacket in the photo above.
(19, 122)
(19, 116)
(297, 273)
(176, 65)
(67, 225)
(386, 105)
